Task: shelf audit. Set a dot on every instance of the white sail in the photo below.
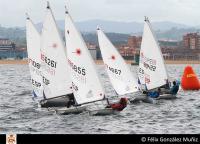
(152, 71)
(122, 79)
(85, 81)
(33, 50)
(55, 70)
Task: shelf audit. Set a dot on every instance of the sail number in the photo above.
(76, 68)
(35, 64)
(45, 81)
(141, 71)
(148, 66)
(115, 71)
(48, 61)
(74, 87)
(35, 83)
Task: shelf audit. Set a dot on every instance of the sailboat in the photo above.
(33, 50)
(87, 87)
(121, 78)
(152, 71)
(57, 82)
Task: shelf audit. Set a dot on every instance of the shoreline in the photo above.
(100, 62)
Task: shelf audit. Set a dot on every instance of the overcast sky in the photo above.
(12, 12)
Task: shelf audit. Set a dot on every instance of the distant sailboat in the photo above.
(152, 71)
(56, 77)
(33, 50)
(86, 84)
(121, 77)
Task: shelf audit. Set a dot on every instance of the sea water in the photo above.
(20, 114)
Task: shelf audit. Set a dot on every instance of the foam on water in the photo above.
(19, 114)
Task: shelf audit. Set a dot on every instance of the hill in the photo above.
(118, 32)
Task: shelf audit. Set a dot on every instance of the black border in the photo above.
(102, 138)
(2, 138)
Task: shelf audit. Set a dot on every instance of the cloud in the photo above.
(12, 12)
(125, 2)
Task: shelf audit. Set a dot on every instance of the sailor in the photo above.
(174, 89)
(167, 85)
(119, 106)
(154, 94)
(71, 101)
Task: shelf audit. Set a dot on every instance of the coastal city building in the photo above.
(6, 48)
(92, 49)
(6, 44)
(134, 41)
(191, 41)
(9, 50)
(131, 49)
(186, 49)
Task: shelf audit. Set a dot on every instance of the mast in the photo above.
(48, 5)
(27, 16)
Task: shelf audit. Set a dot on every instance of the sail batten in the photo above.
(121, 78)
(152, 71)
(55, 70)
(85, 81)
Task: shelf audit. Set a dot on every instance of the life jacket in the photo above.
(119, 106)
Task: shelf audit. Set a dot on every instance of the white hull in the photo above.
(143, 98)
(66, 111)
(103, 112)
(167, 96)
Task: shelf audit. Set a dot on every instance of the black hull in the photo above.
(103, 112)
(146, 99)
(61, 101)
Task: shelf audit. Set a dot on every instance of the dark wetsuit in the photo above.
(71, 100)
(174, 89)
(153, 94)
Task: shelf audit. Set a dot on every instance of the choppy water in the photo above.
(19, 114)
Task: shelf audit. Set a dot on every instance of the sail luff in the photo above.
(33, 51)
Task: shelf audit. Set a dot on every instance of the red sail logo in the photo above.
(54, 45)
(113, 57)
(78, 51)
